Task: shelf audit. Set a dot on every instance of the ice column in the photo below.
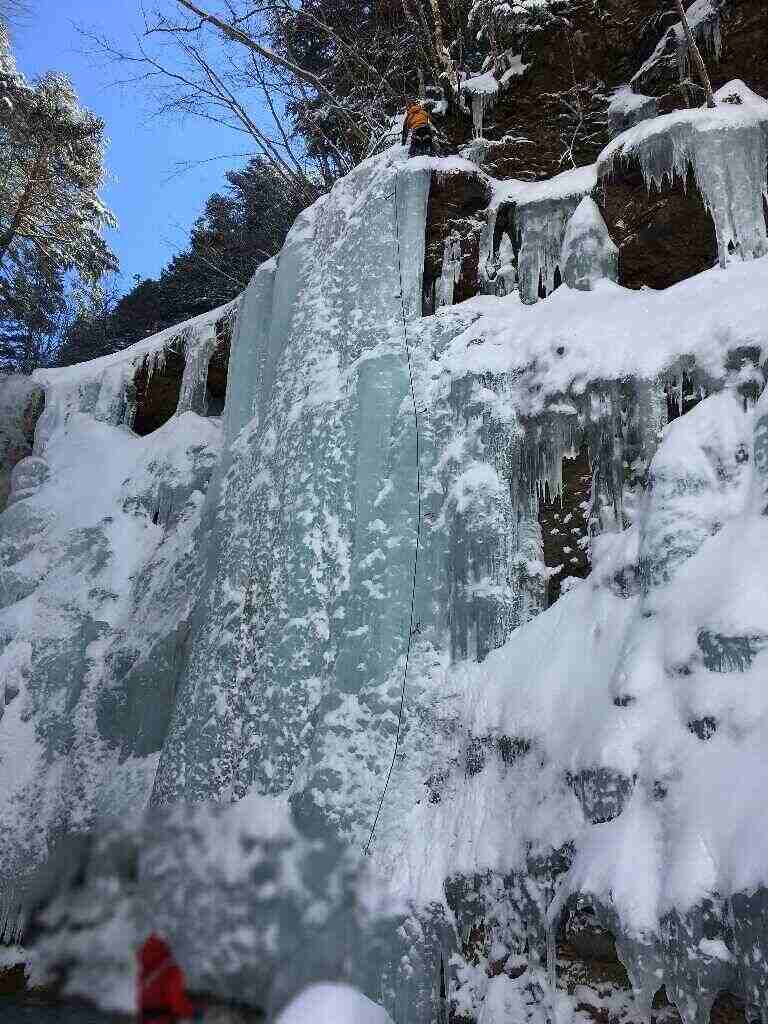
(542, 228)
(451, 274)
(588, 253)
(506, 275)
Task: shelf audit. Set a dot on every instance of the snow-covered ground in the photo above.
(332, 1004)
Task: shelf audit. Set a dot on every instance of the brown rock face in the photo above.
(455, 201)
(563, 525)
(663, 237)
(555, 116)
(744, 33)
(157, 393)
(216, 387)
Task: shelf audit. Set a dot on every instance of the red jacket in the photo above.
(160, 994)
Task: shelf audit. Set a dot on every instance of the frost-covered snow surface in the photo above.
(214, 620)
(98, 577)
(333, 1004)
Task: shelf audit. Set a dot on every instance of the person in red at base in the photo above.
(161, 998)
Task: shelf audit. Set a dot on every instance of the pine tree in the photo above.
(51, 215)
(241, 227)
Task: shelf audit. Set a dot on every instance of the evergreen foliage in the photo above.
(241, 227)
(51, 215)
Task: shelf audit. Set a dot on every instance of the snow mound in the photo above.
(333, 1004)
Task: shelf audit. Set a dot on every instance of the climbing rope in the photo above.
(367, 847)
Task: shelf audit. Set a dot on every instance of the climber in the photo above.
(418, 124)
(161, 996)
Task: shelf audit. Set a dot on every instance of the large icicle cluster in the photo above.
(726, 147)
(540, 212)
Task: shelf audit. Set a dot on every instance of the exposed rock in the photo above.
(602, 792)
(583, 932)
(455, 202)
(663, 237)
(564, 525)
(743, 35)
(555, 115)
(158, 389)
(21, 404)
(216, 384)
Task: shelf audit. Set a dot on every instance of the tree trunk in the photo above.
(695, 53)
(7, 237)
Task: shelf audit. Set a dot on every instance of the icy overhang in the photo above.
(146, 383)
(727, 149)
(576, 339)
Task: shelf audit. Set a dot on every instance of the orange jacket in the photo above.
(416, 117)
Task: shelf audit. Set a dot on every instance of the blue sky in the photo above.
(155, 213)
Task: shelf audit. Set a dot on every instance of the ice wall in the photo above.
(99, 569)
(297, 546)
(251, 589)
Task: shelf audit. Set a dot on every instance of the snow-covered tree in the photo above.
(503, 25)
(51, 214)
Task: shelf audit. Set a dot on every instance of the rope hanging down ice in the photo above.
(401, 715)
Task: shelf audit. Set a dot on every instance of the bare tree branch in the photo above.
(238, 36)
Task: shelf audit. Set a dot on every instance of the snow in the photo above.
(112, 509)
(486, 85)
(134, 354)
(627, 108)
(333, 1004)
(612, 333)
(570, 184)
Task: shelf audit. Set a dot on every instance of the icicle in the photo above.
(451, 273)
(552, 969)
(729, 162)
(478, 110)
(588, 252)
(199, 348)
(542, 229)
(12, 919)
(506, 275)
